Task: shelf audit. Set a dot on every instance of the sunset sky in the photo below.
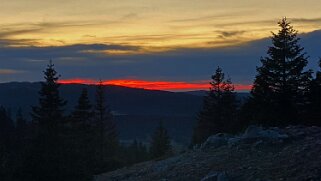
(148, 43)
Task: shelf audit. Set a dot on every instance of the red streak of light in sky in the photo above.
(154, 85)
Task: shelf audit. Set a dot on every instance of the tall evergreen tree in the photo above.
(160, 144)
(46, 159)
(219, 109)
(49, 114)
(6, 127)
(82, 115)
(280, 88)
(6, 144)
(79, 139)
(22, 132)
(106, 138)
(21, 126)
(314, 109)
(22, 143)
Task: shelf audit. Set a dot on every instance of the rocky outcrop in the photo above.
(292, 153)
(216, 176)
(253, 135)
(216, 141)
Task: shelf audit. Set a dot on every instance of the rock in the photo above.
(216, 176)
(215, 141)
(254, 132)
(234, 141)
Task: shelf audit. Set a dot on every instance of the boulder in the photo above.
(216, 176)
(216, 141)
(234, 141)
(254, 132)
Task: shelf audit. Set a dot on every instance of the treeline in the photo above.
(54, 146)
(284, 92)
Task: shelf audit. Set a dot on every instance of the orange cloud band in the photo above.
(155, 85)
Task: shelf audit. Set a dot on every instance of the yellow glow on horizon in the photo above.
(150, 24)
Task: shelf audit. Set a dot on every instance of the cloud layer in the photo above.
(99, 61)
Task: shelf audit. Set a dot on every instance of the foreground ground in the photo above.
(295, 157)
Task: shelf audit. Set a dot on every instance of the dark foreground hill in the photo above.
(259, 155)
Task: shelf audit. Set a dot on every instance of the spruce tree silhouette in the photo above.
(22, 132)
(46, 161)
(79, 138)
(21, 125)
(83, 113)
(106, 137)
(6, 144)
(314, 109)
(280, 88)
(160, 144)
(219, 111)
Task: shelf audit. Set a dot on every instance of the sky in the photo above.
(167, 45)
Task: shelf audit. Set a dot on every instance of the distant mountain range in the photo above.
(122, 100)
(137, 111)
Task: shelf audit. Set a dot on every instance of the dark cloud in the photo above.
(9, 30)
(5, 33)
(157, 37)
(268, 22)
(245, 23)
(229, 34)
(213, 17)
(306, 20)
(17, 42)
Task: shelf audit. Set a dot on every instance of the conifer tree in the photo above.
(22, 143)
(106, 137)
(49, 114)
(21, 131)
(82, 115)
(218, 114)
(21, 123)
(6, 144)
(280, 88)
(314, 109)
(46, 161)
(79, 139)
(160, 144)
(6, 127)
